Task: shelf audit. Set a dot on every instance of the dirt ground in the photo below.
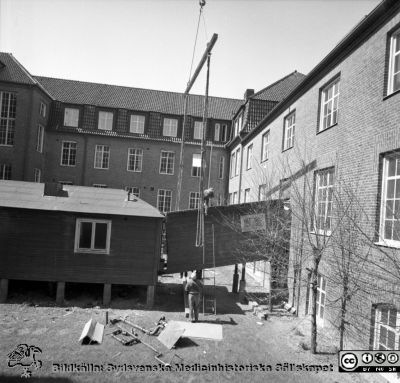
(31, 317)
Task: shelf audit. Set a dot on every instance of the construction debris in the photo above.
(92, 333)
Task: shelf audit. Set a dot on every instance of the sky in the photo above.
(149, 43)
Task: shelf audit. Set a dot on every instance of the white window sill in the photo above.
(91, 251)
(388, 244)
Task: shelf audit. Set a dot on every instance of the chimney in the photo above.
(54, 189)
(248, 93)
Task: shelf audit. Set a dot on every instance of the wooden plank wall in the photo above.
(229, 240)
(39, 245)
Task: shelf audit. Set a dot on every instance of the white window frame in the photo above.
(169, 158)
(71, 117)
(234, 198)
(7, 123)
(384, 316)
(40, 138)
(42, 109)
(289, 131)
(196, 170)
(389, 203)
(221, 167)
(71, 160)
(394, 40)
(249, 156)
(79, 221)
(325, 203)
(233, 161)
(37, 173)
(137, 123)
(329, 102)
(198, 130)
(105, 120)
(321, 299)
(134, 190)
(237, 162)
(5, 171)
(194, 200)
(162, 196)
(265, 146)
(217, 132)
(170, 127)
(101, 153)
(238, 124)
(247, 195)
(224, 132)
(135, 158)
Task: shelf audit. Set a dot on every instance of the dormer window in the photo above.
(71, 117)
(198, 130)
(170, 127)
(238, 124)
(105, 120)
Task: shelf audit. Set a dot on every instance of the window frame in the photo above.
(198, 127)
(265, 145)
(69, 153)
(166, 130)
(194, 197)
(167, 162)
(394, 37)
(42, 109)
(196, 170)
(249, 156)
(5, 171)
(40, 138)
(103, 151)
(144, 123)
(217, 132)
(238, 161)
(75, 109)
(104, 124)
(9, 120)
(233, 161)
(92, 250)
(138, 161)
(37, 175)
(221, 167)
(321, 292)
(322, 102)
(288, 140)
(247, 195)
(164, 196)
(377, 343)
(129, 190)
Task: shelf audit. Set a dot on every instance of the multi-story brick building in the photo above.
(332, 149)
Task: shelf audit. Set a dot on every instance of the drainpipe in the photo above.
(240, 172)
(83, 175)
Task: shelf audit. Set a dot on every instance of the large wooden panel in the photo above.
(39, 245)
(231, 245)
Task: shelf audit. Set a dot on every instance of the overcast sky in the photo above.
(149, 44)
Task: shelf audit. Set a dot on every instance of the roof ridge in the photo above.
(131, 87)
(276, 82)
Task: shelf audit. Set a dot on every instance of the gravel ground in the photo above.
(248, 344)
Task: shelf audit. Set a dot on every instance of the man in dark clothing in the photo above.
(194, 289)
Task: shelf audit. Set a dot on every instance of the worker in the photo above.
(194, 289)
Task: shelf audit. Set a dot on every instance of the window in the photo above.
(265, 146)
(170, 127)
(394, 63)
(221, 165)
(194, 200)
(8, 106)
(37, 174)
(234, 198)
(323, 201)
(5, 171)
(39, 141)
(217, 132)
(167, 160)
(238, 124)
(101, 157)
(247, 195)
(387, 328)
(224, 132)
(196, 165)
(233, 161)
(105, 120)
(164, 199)
(198, 130)
(68, 153)
(71, 117)
(329, 105)
(237, 162)
(249, 156)
(137, 123)
(92, 236)
(288, 139)
(134, 190)
(321, 297)
(42, 109)
(262, 192)
(135, 159)
(390, 208)
(102, 186)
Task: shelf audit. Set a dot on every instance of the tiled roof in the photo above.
(13, 71)
(138, 99)
(280, 89)
(29, 195)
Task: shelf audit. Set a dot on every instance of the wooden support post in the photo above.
(150, 295)
(235, 280)
(107, 294)
(242, 285)
(60, 293)
(3, 290)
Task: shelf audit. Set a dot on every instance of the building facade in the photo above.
(331, 149)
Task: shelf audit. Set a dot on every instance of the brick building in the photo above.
(331, 148)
